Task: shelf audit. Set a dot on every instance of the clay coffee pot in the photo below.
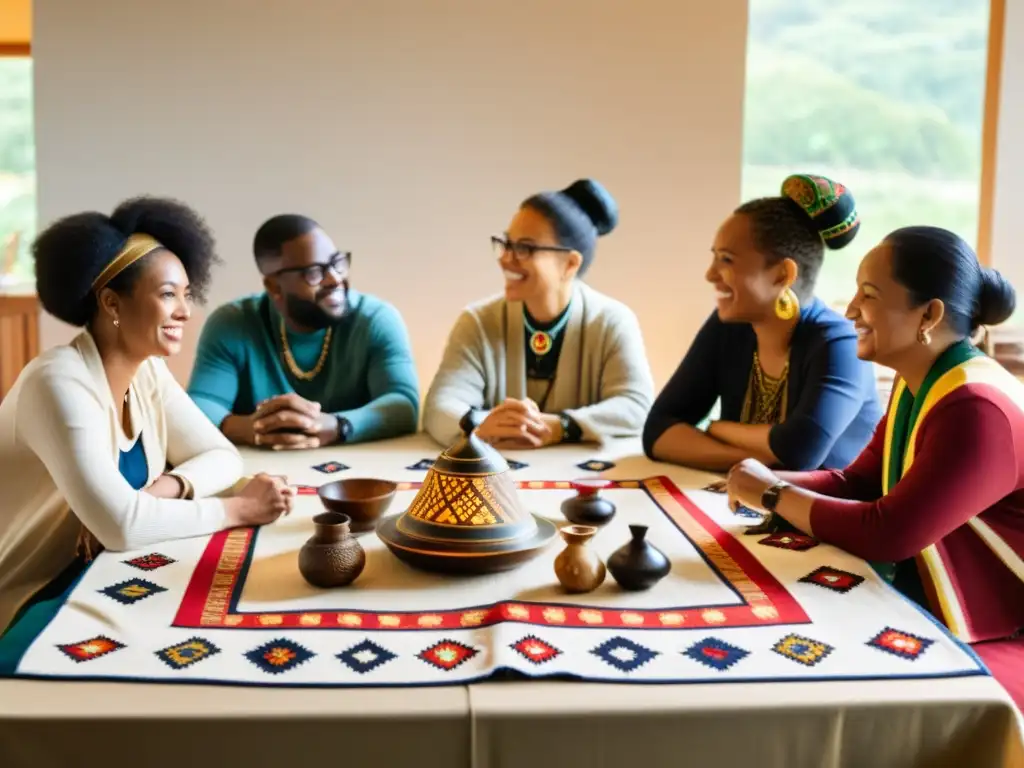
(332, 557)
(587, 507)
(578, 567)
(638, 564)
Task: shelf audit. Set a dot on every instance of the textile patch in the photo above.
(624, 654)
(185, 654)
(902, 644)
(715, 653)
(149, 562)
(365, 657)
(833, 578)
(330, 467)
(421, 465)
(131, 591)
(802, 649)
(87, 650)
(595, 465)
(447, 654)
(535, 650)
(797, 542)
(279, 656)
(513, 464)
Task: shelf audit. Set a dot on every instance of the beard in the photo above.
(310, 314)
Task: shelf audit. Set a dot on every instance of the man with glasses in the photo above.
(310, 361)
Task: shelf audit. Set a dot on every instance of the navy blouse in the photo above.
(832, 405)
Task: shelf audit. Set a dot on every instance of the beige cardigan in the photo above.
(60, 439)
(603, 379)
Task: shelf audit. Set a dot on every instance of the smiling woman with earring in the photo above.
(936, 501)
(784, 366)
(552, 360)
(99, 445)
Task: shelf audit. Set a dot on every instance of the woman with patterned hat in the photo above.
(99, 445)
(550, 360)
(936, 500)
(784, 366)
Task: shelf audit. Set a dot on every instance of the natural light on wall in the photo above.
(884, 96)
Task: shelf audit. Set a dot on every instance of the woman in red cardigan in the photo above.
(936, 500)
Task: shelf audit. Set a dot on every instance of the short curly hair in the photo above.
(70, 253)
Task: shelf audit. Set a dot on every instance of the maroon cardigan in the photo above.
(969, 461)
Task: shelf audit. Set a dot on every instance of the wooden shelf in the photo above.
(19, 334)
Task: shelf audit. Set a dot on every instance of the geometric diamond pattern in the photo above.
(802, 649)
(596, 465)
(902, 644)
(279, 656)
(87, 650)
(149, 562)
(330, 467)
(365, 656)
(715, 653)
(131, 591)
(514, 465)
(535, 650)
(421, 465)
(748, 513)
(623, 654)
(795, 541)
(833, 578)
(447, 654)
(185, 654)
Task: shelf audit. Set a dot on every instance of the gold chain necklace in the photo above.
(767, 394)
(294, 366)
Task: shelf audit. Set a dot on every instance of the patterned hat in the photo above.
(829, 204)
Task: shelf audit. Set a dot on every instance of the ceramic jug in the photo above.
(577, 567)
(332, 557)
(638, 564)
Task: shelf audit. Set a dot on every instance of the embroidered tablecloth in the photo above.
(234, 609)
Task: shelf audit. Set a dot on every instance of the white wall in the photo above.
(411, 129)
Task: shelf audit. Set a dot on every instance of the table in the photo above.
(956, 721)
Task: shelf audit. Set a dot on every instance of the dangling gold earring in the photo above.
(787, 305)
(924, 337)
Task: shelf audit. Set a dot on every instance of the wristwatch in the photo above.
(770, 498)
(344, 429)
(571, 432)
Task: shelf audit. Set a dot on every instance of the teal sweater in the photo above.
(369, 376)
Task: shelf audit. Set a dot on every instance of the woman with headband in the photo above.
(784, 366)
(99, 445)
(552, 360)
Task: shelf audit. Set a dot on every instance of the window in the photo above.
(884, 96)
(17, 168)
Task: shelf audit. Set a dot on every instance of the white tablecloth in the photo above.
(958, 721)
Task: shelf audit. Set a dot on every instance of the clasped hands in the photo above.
(519, 424)
(290, 422)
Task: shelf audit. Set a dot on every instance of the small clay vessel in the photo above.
(638, 564)
(587, 507)
(578, 567)
(332, 557)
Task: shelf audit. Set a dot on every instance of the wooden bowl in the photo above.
(363, 499)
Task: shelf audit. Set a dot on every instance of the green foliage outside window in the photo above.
(885, 96)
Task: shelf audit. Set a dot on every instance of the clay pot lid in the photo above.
(471, 456)
(467, 496)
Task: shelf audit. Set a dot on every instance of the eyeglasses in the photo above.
(314, 273)
(522, 251)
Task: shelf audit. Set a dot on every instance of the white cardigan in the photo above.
(602, 380)
(60, 438)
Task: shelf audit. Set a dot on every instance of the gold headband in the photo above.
(138, 245)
